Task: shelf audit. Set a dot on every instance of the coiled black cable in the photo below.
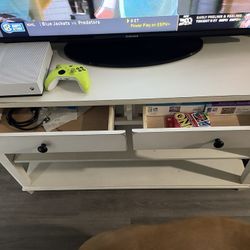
(28, 124)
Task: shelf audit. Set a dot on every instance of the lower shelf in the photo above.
(195, 174)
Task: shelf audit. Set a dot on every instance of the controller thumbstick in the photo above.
(61, 72)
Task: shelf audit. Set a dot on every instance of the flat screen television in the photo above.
(123, 33)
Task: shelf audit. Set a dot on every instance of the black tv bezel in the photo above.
(78, 38)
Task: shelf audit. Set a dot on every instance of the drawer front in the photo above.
(56, 142)
(177, 138)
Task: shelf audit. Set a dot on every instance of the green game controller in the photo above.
(68, 72)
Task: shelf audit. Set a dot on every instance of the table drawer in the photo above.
(226, 132)
(66, 141)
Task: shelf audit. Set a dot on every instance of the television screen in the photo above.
(44, 18)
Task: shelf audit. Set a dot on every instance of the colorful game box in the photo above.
(187, 120)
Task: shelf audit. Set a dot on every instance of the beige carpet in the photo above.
(189, 234)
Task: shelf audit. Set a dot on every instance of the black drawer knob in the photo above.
(218, 143)
(42, 148)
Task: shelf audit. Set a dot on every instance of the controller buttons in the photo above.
(72, 71)
(61, 72)
(80, 69)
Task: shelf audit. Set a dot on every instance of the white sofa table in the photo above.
(128, 154)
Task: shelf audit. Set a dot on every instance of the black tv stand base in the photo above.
(123, 53)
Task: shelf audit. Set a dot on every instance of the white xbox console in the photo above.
(23, 68)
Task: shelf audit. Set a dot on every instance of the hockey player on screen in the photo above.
(106, 9)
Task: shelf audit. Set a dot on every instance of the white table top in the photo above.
(219, 72)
